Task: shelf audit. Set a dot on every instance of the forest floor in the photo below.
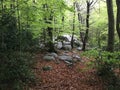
(62, 77)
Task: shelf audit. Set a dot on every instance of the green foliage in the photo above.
(27, 42)
(13, 39)
(16, 62)
(15, 70)
(104, 60)
(8, 32)
(106, 63)
(90, 53)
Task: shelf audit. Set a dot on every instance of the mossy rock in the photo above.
(47, 68)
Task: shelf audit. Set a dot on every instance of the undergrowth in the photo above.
(16, 70)
(107, 65)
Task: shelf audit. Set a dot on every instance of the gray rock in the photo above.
(42, 45)
(66, 43)
(59, 45)
(52, 54)
(67, 47)
(66, 52)
(68, 62)
(77, 43)
(64, 57)
(77, 57)
(79, 48)
(47, 68)
(48, 58)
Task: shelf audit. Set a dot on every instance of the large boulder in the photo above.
(66, 43)
(77, 43)
(67, 47)
(58, 45)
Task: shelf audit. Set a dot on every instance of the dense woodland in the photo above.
(30, 29)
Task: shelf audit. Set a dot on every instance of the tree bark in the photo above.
(110, 46)
(72, 38)
(87, 26)
(50, 34)
(118, 18)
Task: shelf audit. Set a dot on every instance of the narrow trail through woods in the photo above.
(64, 77)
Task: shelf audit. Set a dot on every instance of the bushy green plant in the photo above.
(15, 70)
(27, 43)
(106, 63)
(11, 38)
(90, 53)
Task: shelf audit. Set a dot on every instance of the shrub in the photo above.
(15, 70)
(106, 63)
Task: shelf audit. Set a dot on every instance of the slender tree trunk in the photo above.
(18, 14)
(19, 25)
(110, 46)
(2, 33)
(87, 27)
(63, 19)
(50, 34)
(45, 20)
(118, 18)
(72, 38)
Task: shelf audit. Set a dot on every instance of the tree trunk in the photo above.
(110, 46)
(50, 34)
(72, 38)
(50, 43)
(87, 27)
(118, 18)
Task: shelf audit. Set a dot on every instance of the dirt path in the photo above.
(62, 77)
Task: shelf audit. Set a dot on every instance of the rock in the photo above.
(66, 52)
(46, 68)
(64, 57)
(79, 48)
(68, 37)
(66, 43)
(52, 54)
(42, 46)
(48, 58)
(67, 47)
(59, 45)
(69, 63)
(77, 43)
(77, 57)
